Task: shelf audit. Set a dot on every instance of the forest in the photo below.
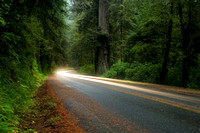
(140, 40)
(32, 44)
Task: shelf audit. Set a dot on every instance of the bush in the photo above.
(174, 76)
(194, 78)
(110, 74)
(144, 72)
(136, 71)
(117, 70)
(87, 69)
(148, 72)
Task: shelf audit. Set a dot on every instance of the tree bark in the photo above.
(102, 63)
(164, 69)
(104, 15)
(186, 38)
(121, 35)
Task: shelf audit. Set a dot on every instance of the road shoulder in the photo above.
(49, 114)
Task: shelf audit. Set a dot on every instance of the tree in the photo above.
(187, 31)
(103, 51)
(84, 33)
(168, 45)
(158, 41)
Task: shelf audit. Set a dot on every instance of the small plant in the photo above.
(50, 105)
(52, 120)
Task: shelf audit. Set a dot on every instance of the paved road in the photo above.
(105, 106)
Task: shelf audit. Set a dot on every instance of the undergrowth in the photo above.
(148, 72)
(17, 87)
(87, 69)
(136, 71)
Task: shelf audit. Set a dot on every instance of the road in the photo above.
(111, 106)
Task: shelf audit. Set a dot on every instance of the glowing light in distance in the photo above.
(61, 72)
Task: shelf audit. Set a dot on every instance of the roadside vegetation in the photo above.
(31, 45)
(134, 71)
(87, 69)
(16, 96)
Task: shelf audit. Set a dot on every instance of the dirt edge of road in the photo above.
(49, 114)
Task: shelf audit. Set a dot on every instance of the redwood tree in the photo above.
(103, 50)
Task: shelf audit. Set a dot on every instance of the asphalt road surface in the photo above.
(111, 106)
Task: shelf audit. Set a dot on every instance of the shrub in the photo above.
(110, 74)
(194, 78)
(174, 76)
(147, 72)
(130, 73)
(117, 70)
(87, 69)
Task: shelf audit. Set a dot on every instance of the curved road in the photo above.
(108, 106)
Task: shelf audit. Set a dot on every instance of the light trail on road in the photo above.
(93, 79)
(139, 104)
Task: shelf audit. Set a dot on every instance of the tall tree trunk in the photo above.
(103, 49)
(186, 38)
(121, 33)
(164, 69)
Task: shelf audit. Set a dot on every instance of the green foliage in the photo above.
(87, 69)
(136, 71)
(6, 115)
(117, 70)
(147, 72)
(15, 98)
(173, 77)
(53, 119)
(194, 78)
(140, 37)
(32, 35)
(142, 41)
(83, 33)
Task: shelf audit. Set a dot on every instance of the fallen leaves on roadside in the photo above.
(49, 115)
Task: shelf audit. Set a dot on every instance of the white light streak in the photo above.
(131, 87)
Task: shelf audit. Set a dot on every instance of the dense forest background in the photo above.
(141, 40)
(147, 40)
